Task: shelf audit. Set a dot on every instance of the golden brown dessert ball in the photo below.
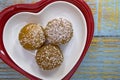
(49, 57)
(58, 31)
(31, 36)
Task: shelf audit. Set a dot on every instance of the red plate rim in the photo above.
(10, 11)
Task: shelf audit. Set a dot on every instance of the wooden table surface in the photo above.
(102, 61)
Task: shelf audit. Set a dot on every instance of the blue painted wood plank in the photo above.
(107, 17)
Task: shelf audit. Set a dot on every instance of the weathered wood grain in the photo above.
(106, 16)
(102, 62)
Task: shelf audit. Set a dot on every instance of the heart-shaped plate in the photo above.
(17, 57)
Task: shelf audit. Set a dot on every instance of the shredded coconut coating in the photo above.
(49, 57)
(32, 36)
(58, 31)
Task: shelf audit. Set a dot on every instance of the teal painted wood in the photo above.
(102, 62)
(106, 16)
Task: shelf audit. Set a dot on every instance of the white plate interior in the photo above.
(72, 51)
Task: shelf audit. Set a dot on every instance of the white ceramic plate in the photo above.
(72, 51)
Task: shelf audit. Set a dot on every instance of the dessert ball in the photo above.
(58, 31)
(31, 36)
(49, 57)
